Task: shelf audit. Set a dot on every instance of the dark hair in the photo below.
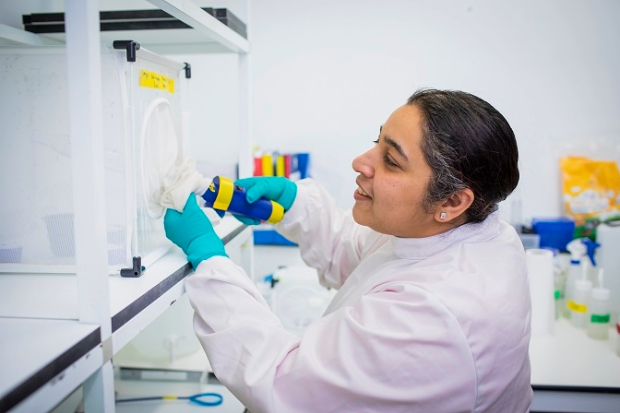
(468, 144)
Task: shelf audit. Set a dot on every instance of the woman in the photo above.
(433, 309)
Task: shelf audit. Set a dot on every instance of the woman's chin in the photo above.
(357, 215)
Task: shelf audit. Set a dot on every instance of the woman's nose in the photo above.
(363, 165)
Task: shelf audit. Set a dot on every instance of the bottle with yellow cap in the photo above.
(224, 195)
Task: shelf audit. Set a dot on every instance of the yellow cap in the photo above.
(277, 213)
(224, 194)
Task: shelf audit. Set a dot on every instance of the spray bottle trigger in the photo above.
(591, 247)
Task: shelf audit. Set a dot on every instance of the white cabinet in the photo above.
(59, 331)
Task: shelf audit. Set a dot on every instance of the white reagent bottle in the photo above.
(608, 235)
(577, 251)
(578, 304)
(599, 311)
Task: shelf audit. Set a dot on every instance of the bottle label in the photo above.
(557, 294)
(577, 307)
(600, 318)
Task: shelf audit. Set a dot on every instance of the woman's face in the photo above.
(393, 177)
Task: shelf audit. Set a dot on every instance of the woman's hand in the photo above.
(275, 188)
(193, 233)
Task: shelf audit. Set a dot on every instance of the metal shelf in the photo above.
(54, 357)
(55, 296)
(207, 35)
(60, 331)
(42, 336)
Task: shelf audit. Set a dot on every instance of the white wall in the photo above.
(326, 75)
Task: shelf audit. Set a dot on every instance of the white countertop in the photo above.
(570, 358)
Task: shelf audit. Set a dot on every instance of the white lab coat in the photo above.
(439, 324)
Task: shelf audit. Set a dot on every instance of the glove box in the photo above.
(143, 103)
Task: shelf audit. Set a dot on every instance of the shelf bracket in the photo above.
(128, 45)
(188, 70)
(134, 272)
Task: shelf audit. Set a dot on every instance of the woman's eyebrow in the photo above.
(396, 146)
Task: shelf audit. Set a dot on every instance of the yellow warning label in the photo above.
(156, 81)
(577, 307)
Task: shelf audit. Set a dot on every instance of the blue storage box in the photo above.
(270, 237)
(554, 232)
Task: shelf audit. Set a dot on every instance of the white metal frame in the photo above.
(86, 132)
(85, 107)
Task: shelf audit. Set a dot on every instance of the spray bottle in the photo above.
(224, 195)
(579, 268)
(598, 311)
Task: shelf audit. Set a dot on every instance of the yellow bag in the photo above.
(591, 188)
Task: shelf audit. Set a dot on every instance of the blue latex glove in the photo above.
(275, 188)
(193, 233)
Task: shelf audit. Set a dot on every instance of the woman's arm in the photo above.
(394, 350)
(328, 237)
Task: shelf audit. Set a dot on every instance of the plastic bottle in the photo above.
(516, 215)
(562, 265)
(598, 311)
(579, 267)
(577, 251)
(591, 247)
(559, 275)
(578, 304)
(608, 235)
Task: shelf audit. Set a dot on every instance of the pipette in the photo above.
(224, 195)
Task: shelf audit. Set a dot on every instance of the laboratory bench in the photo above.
(572, 372)
(47, 352)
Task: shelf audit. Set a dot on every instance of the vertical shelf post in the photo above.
(246, 163)
(86, 132)
(245, 142)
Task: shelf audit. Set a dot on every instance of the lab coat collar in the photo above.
(420, 248)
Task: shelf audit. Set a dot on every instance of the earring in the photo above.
(443, 215)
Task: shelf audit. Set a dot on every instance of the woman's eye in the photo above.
(388, 161)
(386, 158)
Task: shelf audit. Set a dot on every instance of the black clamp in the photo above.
(134, 272)
(128, 45)
(188, 70)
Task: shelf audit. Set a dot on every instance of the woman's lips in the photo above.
(360, 194)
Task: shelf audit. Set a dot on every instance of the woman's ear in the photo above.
(455, 206)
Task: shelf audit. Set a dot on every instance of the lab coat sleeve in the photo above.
(328, 237)
(396, 348)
